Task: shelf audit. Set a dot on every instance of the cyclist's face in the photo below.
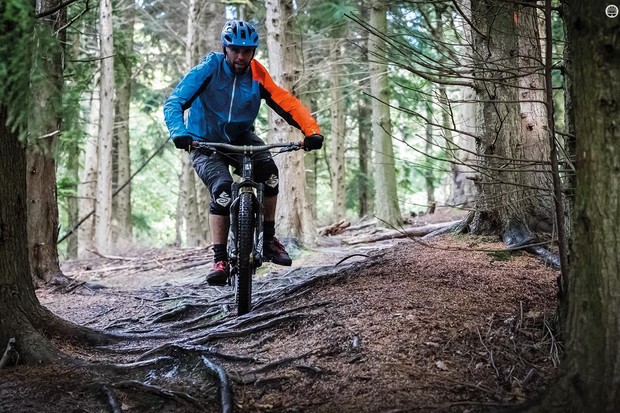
(238, 58)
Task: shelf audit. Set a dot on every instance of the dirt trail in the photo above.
(396, 326)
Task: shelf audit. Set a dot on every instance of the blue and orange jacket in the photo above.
(222, 104)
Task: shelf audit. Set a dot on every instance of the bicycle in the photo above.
(245, 233)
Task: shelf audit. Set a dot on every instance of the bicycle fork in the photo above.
(257, 190)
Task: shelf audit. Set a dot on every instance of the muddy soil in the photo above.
(444, 325)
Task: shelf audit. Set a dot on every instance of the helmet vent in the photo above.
(239, 33)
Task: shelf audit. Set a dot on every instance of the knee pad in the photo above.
(221, 197)
(267, 173)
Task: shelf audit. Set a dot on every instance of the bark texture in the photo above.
(193, 200)
(103, 211)
(293, 216)
(386, 194)
(17, 298)
(122, 236)
(515, 186)
(337, 138)
(87, 187)
(47, 83)
(589, 378)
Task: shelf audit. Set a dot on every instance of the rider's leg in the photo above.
(213, 171)
(270, 203)
(273, 249)
(219, 228)
(266, 172)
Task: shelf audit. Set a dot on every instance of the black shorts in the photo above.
(214, 171)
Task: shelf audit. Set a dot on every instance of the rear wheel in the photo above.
(245, 253)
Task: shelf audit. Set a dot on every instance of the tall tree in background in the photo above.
(463, 190)
(19, 303)
(209, 28)
(293, 216)
(123, 45)
(337, 143)
(87, 187)
(22, 318)
(515, 184)
(17, 295)
(364, 123)
(189, 185)
(588, 377)
(386, 194)
(44, 128)
(103, 209)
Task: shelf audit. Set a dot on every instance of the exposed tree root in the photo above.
(113, 401)
(52, 325)
(208, 318)
(518, 236)
(210, 336)
(54, 279)
(250, 377)
(225, 393)
(177, 311)
(156, 390)
(202, 350)
(544, 254)
(8, 353)
(140, 364)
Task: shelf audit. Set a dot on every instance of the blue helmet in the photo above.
(239, 33)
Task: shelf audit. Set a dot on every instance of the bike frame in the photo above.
(246, 185)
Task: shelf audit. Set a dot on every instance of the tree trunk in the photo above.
(194, 198)
(122, 160)
(210, 27)
(17, 296)
(311, 158)
(569, 129)
(386, 196)
(337, 137)
(428, 171)
(589, 377)
(515, 187)
(73, 168)
(293, 216)
(103, 212)
(44, 129)
(364, 120)
(364, 115)
(72, 122)
(462, 189)
(87, 188)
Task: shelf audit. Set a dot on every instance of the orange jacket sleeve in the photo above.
(283, 102)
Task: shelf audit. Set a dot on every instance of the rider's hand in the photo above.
(205, 151)
(183, 142)
(313, 142)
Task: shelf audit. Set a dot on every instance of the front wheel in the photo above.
(245, 253)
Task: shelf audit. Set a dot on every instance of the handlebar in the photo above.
(248, 149)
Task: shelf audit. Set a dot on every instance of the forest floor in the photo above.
(400, 325)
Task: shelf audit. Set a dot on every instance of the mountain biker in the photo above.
(222, 95)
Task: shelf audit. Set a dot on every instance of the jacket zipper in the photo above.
(232, 98)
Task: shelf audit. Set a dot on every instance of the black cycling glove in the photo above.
(183, 142)
(313, 142)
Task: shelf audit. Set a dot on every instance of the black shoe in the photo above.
(274, 251)
(219, 274)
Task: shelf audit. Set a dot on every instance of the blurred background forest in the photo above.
(423, 104)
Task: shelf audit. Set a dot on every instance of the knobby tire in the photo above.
(245, 250)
